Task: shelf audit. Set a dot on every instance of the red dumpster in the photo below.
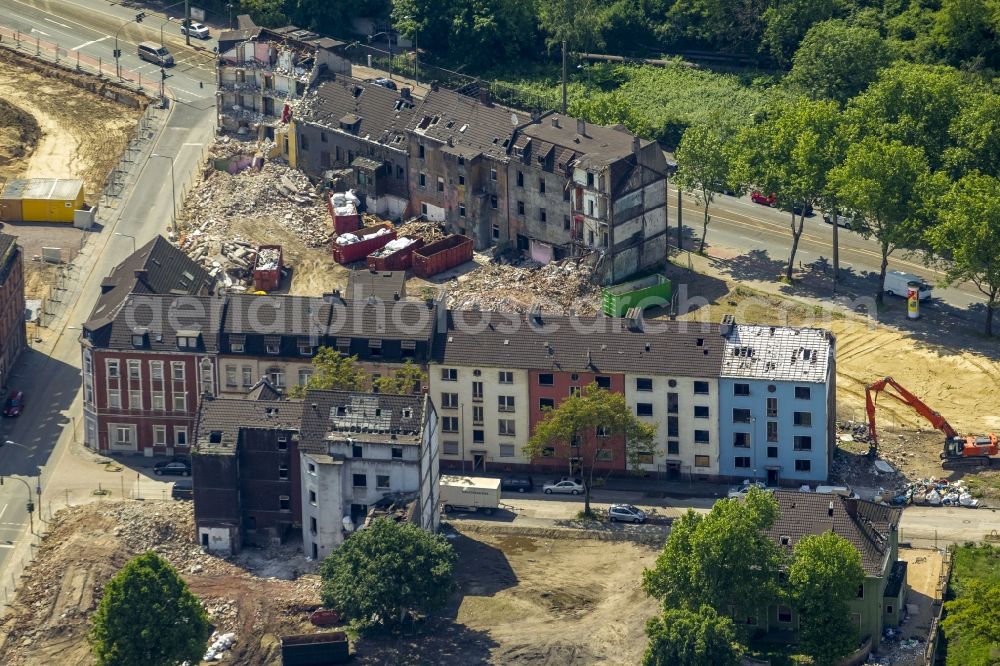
(397, 255)
(267, 268)
(343, 207)
(441, 255)
(357, 245)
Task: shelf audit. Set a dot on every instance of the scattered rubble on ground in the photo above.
(351, 239)
(939, 492)
(429, 231)
(88, 544)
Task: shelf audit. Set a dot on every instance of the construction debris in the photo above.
(350, 239)
(938, 492)
(267, 258)
(429, 231)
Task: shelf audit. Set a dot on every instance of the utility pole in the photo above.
(187, 22)
(564, 77)
(680, 223)
(836, 250)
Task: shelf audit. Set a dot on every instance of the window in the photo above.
(135, 399)
(785, 541)
(397, 453)
(156, 369)
(505, 403)
(644, 384)
(505, 427)
(282, 443)
(861, 591)
(422, 179)
(741, 440)
(180, 437)
(477, 415)
(177, 371)
(888, 608)
(520, 208)
(450, 448)
(520, 179)
(123, 434)
(284, 503)
(375, 348)
(440, 185)
(180, 402)
(477, 391)
(545, 379)
(701, 461)
(672, 403)
(506, 377)
(673, 426)
(478, 436)
(247, 376)
(741, 416)
(803, 443)
(541, 185)
(493, 205)
(449, 375)
(603, 431)
(322, 137)
(566, 224)
(701, 437)
(449, 401)
(282, 472)
(303, 142)
(701, 388)
(772, 452)
(461, 179)
(461, 210)
(449, 424)
(802, 392)
(159, 435)
(673, 447)
(420, 150)
(312, 468)
(784, 614)
(133, 370)
(742, 462)
(644, 409)
(590, 179)
(360, 480)
(543, 217)
(803, 465)
(305, 374)
(546, 403)
(157, 403)
(772, 408)
(276, 376)
(603, 382)
(506, 450)
(357, 450)
(382, 481)
(236, 347)
(493, 173)
(114, 399)
(305, 348)
(772, 431)
(741, 389)
(574, 391)
(313, 528)
(605, 455)
(804, 419)
(230, 375)
(701, 411)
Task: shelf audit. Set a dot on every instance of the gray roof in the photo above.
(8, 244)
(383, 113)
(447, 115)
(220, 421)
(866, 525)
(777, 353)
(601, 145)
(360, 416)
(384, 285)
(164, 269)
(585, 344)
(263, 390)
(160, 320)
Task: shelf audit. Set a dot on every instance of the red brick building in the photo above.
(12, 334)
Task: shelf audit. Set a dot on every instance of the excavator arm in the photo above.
(871, 397)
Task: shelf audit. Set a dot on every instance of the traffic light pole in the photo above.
(118, 52)
(30, 506)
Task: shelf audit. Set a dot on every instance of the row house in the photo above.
(13, 338)
(357, 127)
(777, 404)
(262, 72)
(496, 374)
(267, 469)
(148, 352)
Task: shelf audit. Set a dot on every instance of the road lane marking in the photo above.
(93, 41)
(3, 510)
(61, 25)
(39, 32)
(6, 545)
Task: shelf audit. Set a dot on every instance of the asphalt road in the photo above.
(51, 382)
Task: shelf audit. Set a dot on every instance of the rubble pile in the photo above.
(557, 287)
(393, 246)
(429, 231)
(351, 239)
(939, 492)
(267, 259)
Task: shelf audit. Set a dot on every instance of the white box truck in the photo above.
(470, 493)
(896, 284)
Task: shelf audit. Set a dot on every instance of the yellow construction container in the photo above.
(41, 200)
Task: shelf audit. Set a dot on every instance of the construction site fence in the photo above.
(940, 592)
(74, 60)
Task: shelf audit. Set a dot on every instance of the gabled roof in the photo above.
(598, 146)
(867, 525)
(220, 421)
(263, 390)
(446, 116)
(381, 114)
(160, 323)
(585, 344)
(163, 269)
(360, 416)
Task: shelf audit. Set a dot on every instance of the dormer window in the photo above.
(215, 437)
(188, 339)
(272, 344)
(140, 337)
(375, 348)
(236, 343)
(305, 347)
(344, 345)
(408, 348)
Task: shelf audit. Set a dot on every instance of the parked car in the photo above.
(522, 484)
(182, 490)
(384, 82)
(804, 212)
(846, 220)
(626, 513)
(565, 486)
(173, 468)
(742, 490)
(14, 404)
(759, 198)
(195, 29)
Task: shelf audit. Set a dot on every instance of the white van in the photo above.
(156, 54)
(896, 284)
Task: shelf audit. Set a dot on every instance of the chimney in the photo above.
(536, 314)
(395, 295)
(829, 510)
(555, 121)
(634, 318)
(581, 127)
(484, 96)
(371, 269)
(726, 325)
(314, 406)
(434, 86)
(405, 94)
(430, 303)
(636, 146)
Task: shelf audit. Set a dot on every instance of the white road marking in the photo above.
(3, 510)
(93, 41)
(61, 25)
(6, 545)
(39, 32)
(183, 144)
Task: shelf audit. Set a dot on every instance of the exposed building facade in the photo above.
(13, 338)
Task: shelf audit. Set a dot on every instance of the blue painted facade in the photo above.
(772, 446)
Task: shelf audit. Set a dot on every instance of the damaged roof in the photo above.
(598, 146)
(220, 421)
(777, 352)
(365, 110)
(361, 416)
(449, 117)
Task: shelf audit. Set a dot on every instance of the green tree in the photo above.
(786, 23)
(790, 154)
(884, 182)
(692, 638)
(703, 168)
(268, 13)
(387, 570)
(332, 371)
(404, 380)
(975, 134)
(967, 33)
(723, 559)
(837, 61)
(148, 616)
(974, 613)
(824, 577)
(571, 432)
(731, 27)
(968, 235)
(569, 23)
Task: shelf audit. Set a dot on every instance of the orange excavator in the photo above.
(978, 449)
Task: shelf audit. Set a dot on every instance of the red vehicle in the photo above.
(14, 404)
(758, 198)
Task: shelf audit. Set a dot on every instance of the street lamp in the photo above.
(173, 188)
(416, 50)
(118, 233)
(229, 6)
